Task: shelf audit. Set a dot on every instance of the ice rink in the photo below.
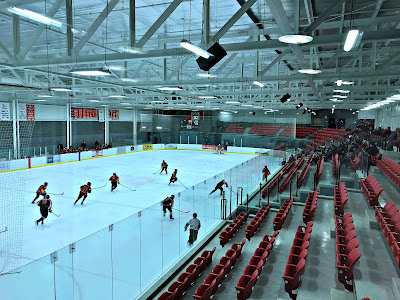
(103, 207)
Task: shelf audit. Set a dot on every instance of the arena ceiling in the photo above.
(138, 41)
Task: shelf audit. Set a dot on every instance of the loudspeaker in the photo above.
(285, 98)
(217, 52)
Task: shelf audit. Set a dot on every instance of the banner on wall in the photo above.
(84, 113)
(52, 159)
(97, 153)
(4, 166)
(208, 147)
(147, 147)
(101, 115)
(30, 112)
(121, 150)
(22, 112)
(170, 146)
(113, 114)
(5, 111)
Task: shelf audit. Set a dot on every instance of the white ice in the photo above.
(103, 207)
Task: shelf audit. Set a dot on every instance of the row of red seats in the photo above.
(390, 169)
(389, 220)
(347, 251)
(186, 279)
(233, 128)
(308, 150)
(231, 230)
(300, 154)
(355, 162)
(310, 206)
(310, 158)
(335, 165)
(301, 132)
(318, 171)
(281, 147)
(299, 164)
(271, 186)
(264, 130)
(372, 189)
(297, 259)
(256, 222)
(340, 198)
(252, 271)
(286, 181)
(213, 280)
(282, 214)
(288, 167)
(375, 158)
(303, 175)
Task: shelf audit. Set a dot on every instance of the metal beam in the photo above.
(178, 67)
(389, 62)
(206, 21)
(70, 25)
(8, 3)
(324, 16)
(16, 36)
(132, 22)
(275, 61)
(157, 24)
(38, 31)
(95, 25)
(228, 25)
(5, 50)
(325, 40)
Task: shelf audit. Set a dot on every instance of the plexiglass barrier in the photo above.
(126, 258)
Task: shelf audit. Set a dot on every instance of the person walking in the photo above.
(194, 229)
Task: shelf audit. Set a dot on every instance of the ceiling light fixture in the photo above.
(95, 101)
(206, 75)
(260, 84)
(247, 105)
(61, 89)
(117, 96)
(34, 16)
(45, 96)
(232, 102)
(92, 72)
(195, 49)
(166, 88)
(207, 97)
(299, 105)
(295, 39)
(40, 100)
(285, 98)
(351, 39)
(309, 71)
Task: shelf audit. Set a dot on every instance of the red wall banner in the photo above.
(208, 147)
(30, 112)
(83, 113)
(113, 114)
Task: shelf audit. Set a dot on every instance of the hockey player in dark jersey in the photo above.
(114, 181)
(164, 167)
(167, 204)
(85, 189)
(40, 192)
(45, 207)
(173, 177)
(219, 186)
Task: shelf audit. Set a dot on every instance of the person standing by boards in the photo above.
(114, 181)
(45, 207)
(194, 229)
(40, 192)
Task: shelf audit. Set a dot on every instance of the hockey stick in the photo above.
(157, 172)
(128, 187)
(99, 186)
(185, 212)
(55, 215)
(232, 190)
(181, 183)
(56, 194)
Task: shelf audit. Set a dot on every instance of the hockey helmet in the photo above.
(89, 183)
(45, 183)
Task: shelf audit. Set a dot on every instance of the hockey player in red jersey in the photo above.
(266, 172)
(40, 192)
(45, 208)
(85, 189)
(173, 177)
(164, 167)
(168, 203)
(114, 181)
(219, 186)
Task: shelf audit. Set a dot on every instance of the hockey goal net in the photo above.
(219, 151)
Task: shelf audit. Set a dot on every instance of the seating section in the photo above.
(256, 222)
(285, 182)
(318, 171)
(233, 128)
(231, 230)
(335, 165)
(186, 279)
(301, 132)
(310, 206)
(271, 186)
(264, 130)
(252, 271)
(303, 175)
(375, 158)
(300, 154)
(390, 169)
(281, 147)
(213, 280)
(327, 135)
(288, 167)
(297, 259)
(282, 214)
(347, 251)
(340, 198)
(355, 162)
(389, 220)
(372, 189)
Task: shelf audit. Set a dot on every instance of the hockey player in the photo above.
(40, 192)
(266, 172)
(85, 189)
(45, 208)
(219, 148)
(167, 204)
(173, 177)
(114, 181)
(219, 186)
(164, 167)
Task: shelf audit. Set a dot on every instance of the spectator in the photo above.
(96, 144)
(60, 148)
(291, 158)
(194, 229)
(83, 145)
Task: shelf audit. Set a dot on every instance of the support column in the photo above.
(16, 36)
(135, 126)
(14, 126)
(132, 22)
(106, 127)
(206, 18)
(68, 113)
(70, 25)
(17, 128)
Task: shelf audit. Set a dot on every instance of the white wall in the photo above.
(284, 116)
(388, 116)
(366, 114)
